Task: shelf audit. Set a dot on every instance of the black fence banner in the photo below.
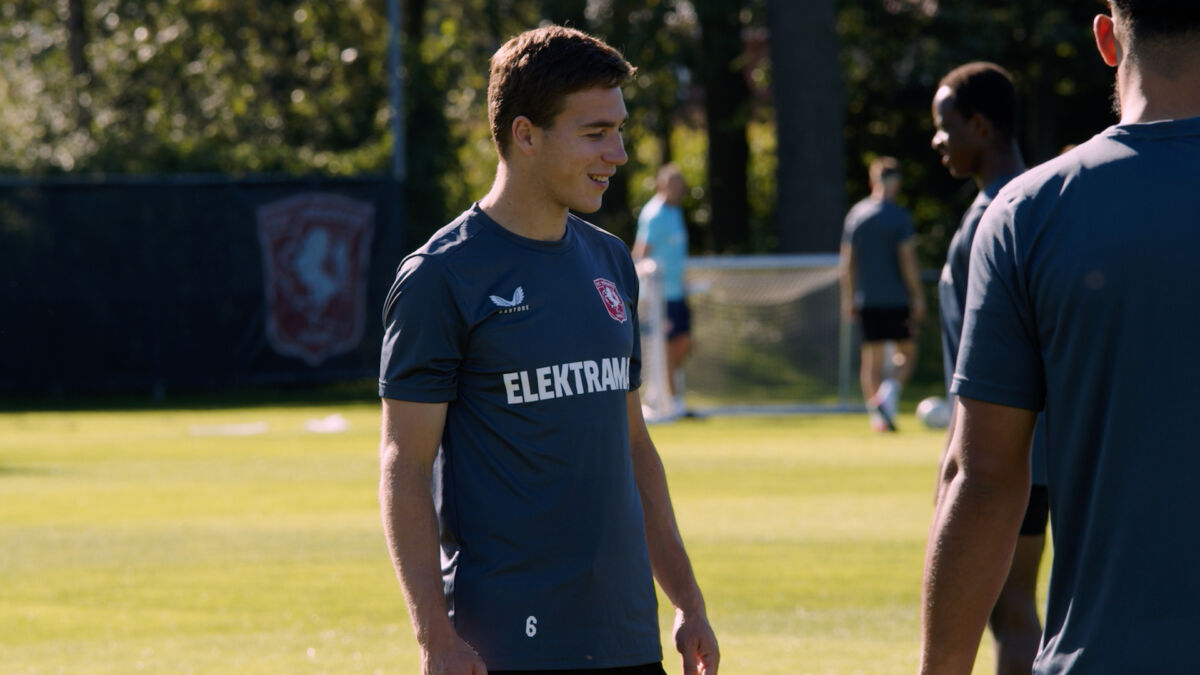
(151, 284)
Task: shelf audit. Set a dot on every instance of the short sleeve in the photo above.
(649, 229)
(423, 334)
(643, 226)
(848, 226)
(999, 360)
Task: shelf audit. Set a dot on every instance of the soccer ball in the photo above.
(934, 412)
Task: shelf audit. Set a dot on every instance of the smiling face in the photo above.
(957, 140)
(577, 154)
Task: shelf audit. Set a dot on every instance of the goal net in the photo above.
(767, 336)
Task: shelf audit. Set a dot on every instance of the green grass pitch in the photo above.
(139, 542)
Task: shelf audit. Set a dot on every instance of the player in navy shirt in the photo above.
(881, 290)
(975, 117)
(1082, 276)
(524, 504)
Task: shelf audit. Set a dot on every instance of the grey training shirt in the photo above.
(875, 229)
(535, 347)
(1082, 301)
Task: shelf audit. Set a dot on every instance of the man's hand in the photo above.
(849, 312)
(697, 644)
(451, 657)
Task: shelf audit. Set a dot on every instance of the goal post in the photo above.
(657, 402)
(767, 335)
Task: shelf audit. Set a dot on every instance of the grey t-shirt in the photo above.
(952, 297)
(952, 286)
(875, 229)
(535, 347)
(1081, 300)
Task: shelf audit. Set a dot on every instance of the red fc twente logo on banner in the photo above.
(612, 299)
(315, 249)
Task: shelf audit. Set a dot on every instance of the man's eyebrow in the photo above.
(603, 124)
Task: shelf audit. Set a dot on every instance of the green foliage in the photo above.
(301, 86)
(195, 85)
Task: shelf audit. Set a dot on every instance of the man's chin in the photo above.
(586, 208)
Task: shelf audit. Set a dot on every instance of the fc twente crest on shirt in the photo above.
(612, 299)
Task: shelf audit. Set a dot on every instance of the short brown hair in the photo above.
(534, 71)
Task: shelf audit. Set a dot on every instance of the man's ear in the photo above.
(523, 134)
(982, 127)
(1106, 39)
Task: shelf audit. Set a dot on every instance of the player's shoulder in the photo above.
(862, 211)
(1074, 169)
(651, 212)
(866, 205)
(454, 244)
(1023, 204)
(594, 234)
(447, 249)
(455, 237)
(603, 246)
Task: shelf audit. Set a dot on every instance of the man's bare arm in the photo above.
(846, 267)
(640, 250)
(910, 269)
(411, 435)
(694, 637)
(983, 494)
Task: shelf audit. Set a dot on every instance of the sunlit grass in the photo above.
(128, 542)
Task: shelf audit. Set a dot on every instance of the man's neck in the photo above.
(998, 163)
(522, 210)
(1166, 91)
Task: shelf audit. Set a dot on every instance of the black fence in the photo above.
(152, 284)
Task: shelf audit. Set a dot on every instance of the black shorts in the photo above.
(884, 323)
(679, 318)
(1037, 512)
(648, 669)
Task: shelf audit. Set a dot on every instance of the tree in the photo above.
(726, 112)
(300, 87)
(809, 107)
(427, 133)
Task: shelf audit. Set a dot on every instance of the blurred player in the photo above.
(512, 430)
(881, 290)
(975, 116)
(1081, 287)
(662, 237)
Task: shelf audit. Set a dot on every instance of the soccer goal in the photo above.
(767, 336)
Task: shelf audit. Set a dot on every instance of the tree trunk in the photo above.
(77, 39)
(726, 107)
(810, 113)
(427, 135)
(615, 214)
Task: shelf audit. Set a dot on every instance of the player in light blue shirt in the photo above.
(1081, 303)
(662, 237)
